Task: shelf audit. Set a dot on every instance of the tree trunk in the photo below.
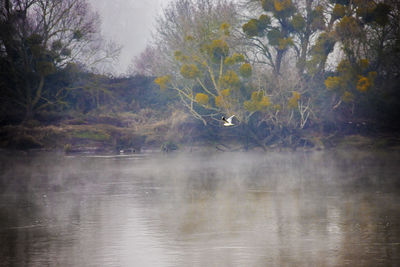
(278, 61)
(28, 112)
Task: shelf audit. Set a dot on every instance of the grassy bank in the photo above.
(132, 132)
(100, 133)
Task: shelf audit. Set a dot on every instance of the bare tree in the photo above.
(145, 62)
(42, 36)
(182, 18)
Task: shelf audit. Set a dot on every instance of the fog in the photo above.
(328, 208)
(86, 203)
(129, 23)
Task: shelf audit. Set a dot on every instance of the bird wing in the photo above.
(230, 118)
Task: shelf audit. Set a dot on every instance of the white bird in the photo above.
(228, 121)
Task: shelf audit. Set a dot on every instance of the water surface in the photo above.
(331, 208)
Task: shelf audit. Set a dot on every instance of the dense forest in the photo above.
(295, 73)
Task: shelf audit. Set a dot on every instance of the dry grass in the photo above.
(124, 130)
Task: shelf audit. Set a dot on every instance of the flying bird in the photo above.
(228, 121)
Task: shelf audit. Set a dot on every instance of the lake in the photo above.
(321, 208)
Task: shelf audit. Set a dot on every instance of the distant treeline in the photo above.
(79, 93)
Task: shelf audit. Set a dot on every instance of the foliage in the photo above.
(186, 21)
(218, 50)
(258, 102)
(230, 79)
(210, 72)
(351, 77)
(338, 12)
(202, 99)
(40, 40)
(283, 26)
(245, 70)
(189, 71)
(293, 101)
(293, 67)
(163, 81)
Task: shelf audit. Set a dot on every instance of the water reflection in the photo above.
(279, 209)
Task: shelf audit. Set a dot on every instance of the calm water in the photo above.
(333, 208)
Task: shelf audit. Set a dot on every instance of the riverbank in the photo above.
(100, 134)
(131, 133)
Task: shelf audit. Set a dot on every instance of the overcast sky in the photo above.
(129, 23)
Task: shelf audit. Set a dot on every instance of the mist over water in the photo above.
(323, 208)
